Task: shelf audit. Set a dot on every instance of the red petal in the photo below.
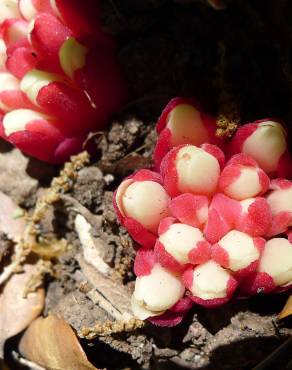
(167, 260)
(144, 261)
(185, 208)
(258, 282)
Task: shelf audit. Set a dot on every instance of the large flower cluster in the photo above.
(208, 224)
(58, 76)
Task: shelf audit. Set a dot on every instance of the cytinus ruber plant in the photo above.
(59, 79)
(208, 225)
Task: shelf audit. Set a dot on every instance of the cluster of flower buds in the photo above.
(59, 79)
(213, 220)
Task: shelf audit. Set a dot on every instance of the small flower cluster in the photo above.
(59, 79)
(208, 223)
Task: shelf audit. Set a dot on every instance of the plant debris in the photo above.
(51, 343)
(18, 311)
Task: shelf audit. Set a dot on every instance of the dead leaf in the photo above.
(50, 342)
(16, 312)
(10, 223)
(111, 295)
(27, 364)
(287, 310)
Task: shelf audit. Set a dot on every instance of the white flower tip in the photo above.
(280, 200)
(72, 56)
(210, 281)
(246, 203)
(17, 120)
(246, 185)
(179, 240)
(27, 9)
(141, 312)
(159, 290)
(34, 81)
(9, 9)
(8, 82)
(186, 126)
(266, 145)
(198, 171)
(276, 261)
(144, 201)
(240, 248)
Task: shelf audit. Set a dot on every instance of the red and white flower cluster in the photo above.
(208, 223)
(59, 79)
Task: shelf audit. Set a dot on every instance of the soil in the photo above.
(237, 62)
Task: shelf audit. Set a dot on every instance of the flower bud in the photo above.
(179, 244)
(189, 169)
(8, 9)
(145, 261)
(238, 252)
(156, 292)
(242, 178)
(182, 122)
(37, 135)
(14, 30)
(20, 59)
(142, 202)
(190, 209)
(10, 95)
(55, 97)
(265, 141)
(210, 284)
(48, 43)
(174, 315)
(70, 81)
(277, 261)
(30, 8)
(255, 217)
(274, 270)
(280, 201)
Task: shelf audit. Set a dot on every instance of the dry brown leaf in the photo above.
(16, 312)
(111, 295)
(51, 343)
(24, 362)
(10, 223)
(287, 310)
